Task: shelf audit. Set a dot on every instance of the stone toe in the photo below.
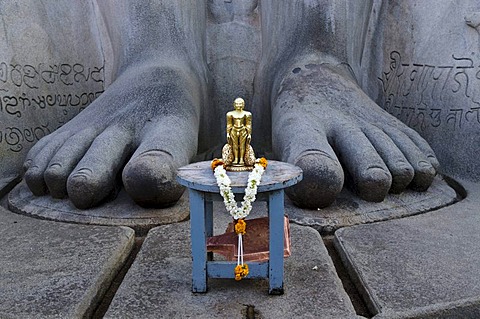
(149, 179)
(322, 180)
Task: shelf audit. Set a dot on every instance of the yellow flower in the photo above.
(263, 161)
(241, 227)
(216, 162)
(241, 271)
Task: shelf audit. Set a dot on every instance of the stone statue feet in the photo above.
(323, 122)
(139, 131)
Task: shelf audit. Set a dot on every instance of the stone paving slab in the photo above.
(56, 270)
(426, 266)
(158, 285)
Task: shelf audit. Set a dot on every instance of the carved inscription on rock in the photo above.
(431, 96)
(37, 99)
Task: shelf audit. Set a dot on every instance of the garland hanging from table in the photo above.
(239, 213)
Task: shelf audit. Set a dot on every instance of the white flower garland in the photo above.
(224, 182)
(239, 213)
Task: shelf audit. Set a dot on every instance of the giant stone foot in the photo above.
(145, 125)
(324, 123)
(150, 112)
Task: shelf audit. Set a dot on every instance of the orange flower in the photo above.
(215, 163)
(241, 271)
(263, 161)
(241, 227)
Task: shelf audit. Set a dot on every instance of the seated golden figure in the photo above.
(238, 154)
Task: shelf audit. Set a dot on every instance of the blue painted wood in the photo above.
(278, 175)
(276, 227)
(208, 222)
(225, 269)
(208, 217)
(199, 241)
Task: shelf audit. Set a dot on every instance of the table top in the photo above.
(278, 175)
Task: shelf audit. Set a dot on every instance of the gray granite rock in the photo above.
(422, 66)
(173, 67)
(233, 51)
(7, 183)
(349, 210)
(424, 266)
(52, 65)
(54, 270)
(322, 121)
(120, 212)
(158, 285)
(145, 125)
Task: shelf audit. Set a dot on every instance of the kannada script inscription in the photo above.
(37, 99)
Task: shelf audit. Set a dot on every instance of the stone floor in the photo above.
(423, 266)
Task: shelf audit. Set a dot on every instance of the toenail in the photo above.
(402, 165)
(314, 152)
(84, 173)
(374, 169)
(154, 153)
(425, 169)
(426, 165)
(432, 158)
(376, 174)
(55, 165)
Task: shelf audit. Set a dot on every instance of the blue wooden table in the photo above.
(203, 190)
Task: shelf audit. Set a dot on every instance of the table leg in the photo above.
(198, 234)
(276, 230)
(209, 223)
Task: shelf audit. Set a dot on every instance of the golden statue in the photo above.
(238, 154)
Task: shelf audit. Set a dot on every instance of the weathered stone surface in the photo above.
(55, 270)
(52, 65)
(321, 119)
(145, 125)
(348, 210)
(233, 51)
(120, 212)
(424, 266)
(159, 283)
(7, 183)
(422, 67)
(171, 75)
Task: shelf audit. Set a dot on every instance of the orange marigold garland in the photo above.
(240, 227)
(216, 162)
(263, 161)
(241, 271)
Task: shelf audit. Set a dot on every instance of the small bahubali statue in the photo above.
(238, 154)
